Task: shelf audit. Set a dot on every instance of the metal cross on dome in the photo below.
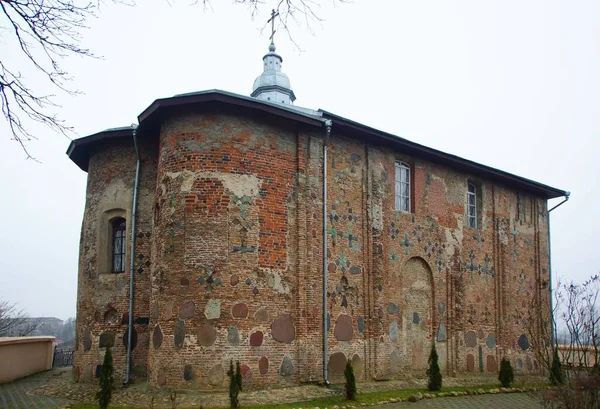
(272, 21)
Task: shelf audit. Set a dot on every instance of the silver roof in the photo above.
(273, 85)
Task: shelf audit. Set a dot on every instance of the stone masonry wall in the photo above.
(229, 260)
(103, 296)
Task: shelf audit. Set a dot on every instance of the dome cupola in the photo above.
(273, 85)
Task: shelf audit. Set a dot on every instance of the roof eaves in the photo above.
(78, 150)
(449, 159)
(303, 115)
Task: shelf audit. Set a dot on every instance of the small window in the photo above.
(402, 187)
(472, 206)
(118, 245)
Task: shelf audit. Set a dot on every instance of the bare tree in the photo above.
(47, 31)
(14, 321)
(538, 323)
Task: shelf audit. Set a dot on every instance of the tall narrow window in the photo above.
(402, 187)
(118, 245)
(472, 206)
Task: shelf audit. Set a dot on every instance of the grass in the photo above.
(367, 398)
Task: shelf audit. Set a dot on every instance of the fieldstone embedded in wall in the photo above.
(256, 339)
(246, 374)
(337, 364)
(188, 373)
(233, 335)
(140, 371)
(491, 364)
(187, 310)
(87, 339)
(287, 368)
(396, 362)
(282, 329)
(157, 337)
(523, 342)
(240, 310)
(107, 339)
(263, 365)
(206, 335)
(393, 331)
(343, 330)
(161, 377)
(441, 334)
(519, 365)
(471, 339)
(179, 334)
(111, 316)
(134, 338)
(470, 363)
(213, 309)
(528, 363)
(393, 309)
(262, 315)
(216, 375)
(357, 365)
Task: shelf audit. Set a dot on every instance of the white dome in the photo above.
(273, 85)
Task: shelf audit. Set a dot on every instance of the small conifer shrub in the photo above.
(107, 380)
(235, 384)
(350, 381)
(434, 373)
(506, 375)
(556, 373)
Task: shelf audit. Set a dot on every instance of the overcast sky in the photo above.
(511, 84)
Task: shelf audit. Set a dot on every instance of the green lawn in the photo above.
(368, 398)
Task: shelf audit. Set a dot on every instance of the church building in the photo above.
(229, 227)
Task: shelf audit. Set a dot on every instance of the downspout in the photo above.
(328, 124)
(132, 254)
(554, 340)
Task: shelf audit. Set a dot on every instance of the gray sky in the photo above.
(511, 84)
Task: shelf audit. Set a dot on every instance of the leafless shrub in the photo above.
(14, 322)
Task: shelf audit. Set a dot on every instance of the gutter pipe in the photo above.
(132, 255)
(554, 336)
(328, 124)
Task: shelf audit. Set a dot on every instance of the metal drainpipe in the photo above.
(132, 255)
(552, 323)
(328, 124)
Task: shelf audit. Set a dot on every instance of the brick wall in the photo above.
(228, 265)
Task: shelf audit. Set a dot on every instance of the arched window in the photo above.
(402, 187)
(118, 244)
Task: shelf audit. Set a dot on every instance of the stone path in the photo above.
(18, 395)
(54, 389)
(498, 401)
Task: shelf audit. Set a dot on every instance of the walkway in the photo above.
(498, 401)
(17, 395)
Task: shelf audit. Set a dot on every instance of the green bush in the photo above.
(235, 384)
(350, 381)
(506, 375)
(556, 373)
(107, 380)
(434, 373)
